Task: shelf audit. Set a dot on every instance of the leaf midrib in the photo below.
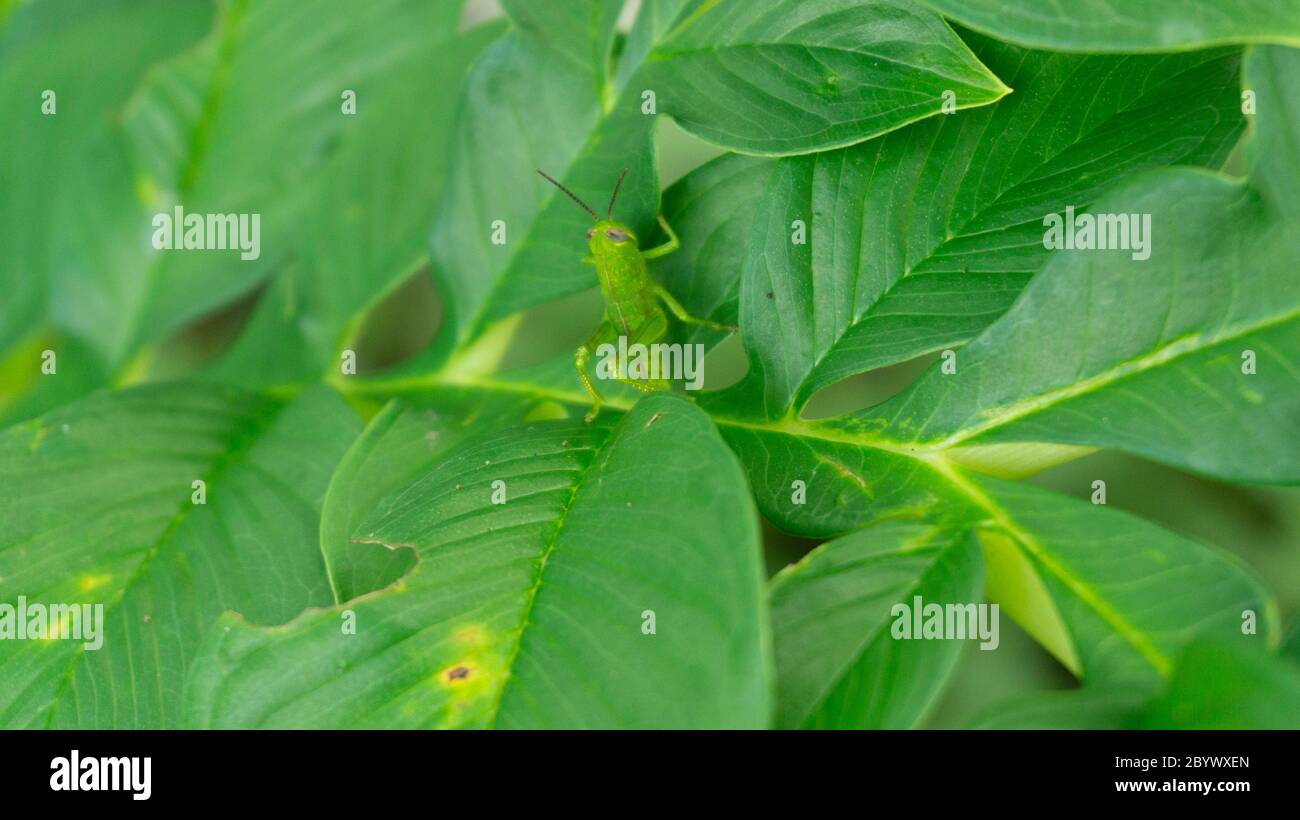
(525, 617)
(243, 440)
(1179, 348)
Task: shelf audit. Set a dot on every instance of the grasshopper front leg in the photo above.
(668, 247)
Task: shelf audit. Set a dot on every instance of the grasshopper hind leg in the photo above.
(607, 333)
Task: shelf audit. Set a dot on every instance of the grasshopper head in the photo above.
(607, 236)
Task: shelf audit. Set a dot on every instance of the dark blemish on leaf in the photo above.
(459, 673)
(769, 294)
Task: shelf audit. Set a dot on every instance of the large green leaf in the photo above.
(106, 516)
(67, 202)
(530, 612)
(917, 241)
(771, 77)
(838, 663)
(231, 127)
(1130, 25)
(1150, 356)
(366, 226)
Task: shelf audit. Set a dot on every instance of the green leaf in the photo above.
(366, 226)
(1114, 597)
(847, 480)
(838, 663)
(402, 442)
(916, 242)
(581, 32)
(767, 77)
(66, 192)
(107, 516)
(1149, 25)
(1226, 686)
(531, 612)
(231, 127)
(1104, 350)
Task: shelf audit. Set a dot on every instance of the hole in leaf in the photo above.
(866, 389)
(403, 324)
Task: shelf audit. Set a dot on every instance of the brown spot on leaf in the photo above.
(458, 673)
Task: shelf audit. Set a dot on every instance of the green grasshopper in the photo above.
(631, 309)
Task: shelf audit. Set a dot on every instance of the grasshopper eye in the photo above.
(615, 235)
(591, 232)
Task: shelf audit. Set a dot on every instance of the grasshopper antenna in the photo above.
(571, 194)
(610, 213)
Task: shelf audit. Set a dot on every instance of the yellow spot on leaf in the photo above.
(89, 582)
(470, 635)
